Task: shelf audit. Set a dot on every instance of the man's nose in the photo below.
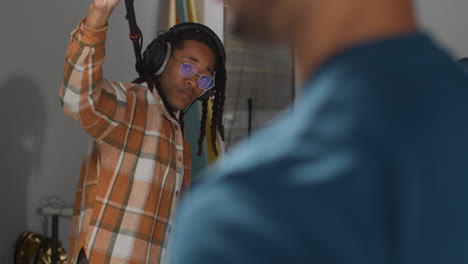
(192, 81)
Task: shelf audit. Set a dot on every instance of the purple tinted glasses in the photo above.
(188, 70)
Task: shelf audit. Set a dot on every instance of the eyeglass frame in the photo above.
(196, 73)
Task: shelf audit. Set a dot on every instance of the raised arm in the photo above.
(97, 105)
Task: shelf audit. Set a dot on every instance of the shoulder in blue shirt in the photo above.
(368, 167)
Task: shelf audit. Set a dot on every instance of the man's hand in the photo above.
(106, 5)
(99, 12)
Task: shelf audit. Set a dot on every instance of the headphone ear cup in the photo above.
(156, 56)
(168, 52)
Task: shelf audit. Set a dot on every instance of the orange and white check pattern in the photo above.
(137, 167)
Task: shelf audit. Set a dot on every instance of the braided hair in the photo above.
(216, 126)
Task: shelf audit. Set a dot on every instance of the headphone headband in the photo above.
(190, 26)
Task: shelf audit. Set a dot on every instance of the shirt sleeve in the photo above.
(96, 104)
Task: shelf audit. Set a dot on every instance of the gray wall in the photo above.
(448, 20)
(41, 149)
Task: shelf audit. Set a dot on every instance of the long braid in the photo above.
(202, 126)
(181, 122)
(153, 82)
(216, 124)
(213, 127)
(220, 103)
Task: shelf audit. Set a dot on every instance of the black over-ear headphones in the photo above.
(159, 51)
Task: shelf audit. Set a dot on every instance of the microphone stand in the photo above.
(249, 124)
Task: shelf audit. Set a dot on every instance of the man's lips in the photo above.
(186, 94)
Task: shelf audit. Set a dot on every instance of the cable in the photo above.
(135, 36)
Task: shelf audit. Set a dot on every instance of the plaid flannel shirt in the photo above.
(135, 170)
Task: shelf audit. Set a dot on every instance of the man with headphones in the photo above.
(138, 163)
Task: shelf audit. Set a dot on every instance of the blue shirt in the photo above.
(369, 166)
(463, 63)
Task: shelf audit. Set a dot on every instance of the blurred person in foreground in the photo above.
(369, 166)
